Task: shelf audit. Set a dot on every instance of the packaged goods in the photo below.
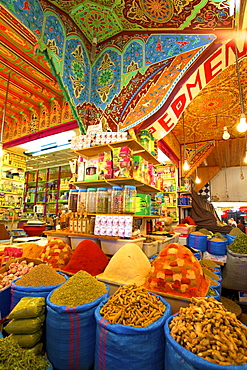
(176, 271)
(132, 305)
(56, 253)
(128, 265)
(28, 340)
(12, 356)
(209, 331)
(28, 307)
(25, 326)
(70, 322)
(41, 275)
(88, 257)
(79, 289)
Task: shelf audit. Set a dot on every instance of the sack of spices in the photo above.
(56, 253)
(130, 330)
(70, 322)
(38, 282)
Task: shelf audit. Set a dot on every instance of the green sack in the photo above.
(25, 326)
(27, 340)
(36, 350)
(28, 307)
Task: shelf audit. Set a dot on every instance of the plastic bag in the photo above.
(27, 340)
(28, 307)
(25, 326)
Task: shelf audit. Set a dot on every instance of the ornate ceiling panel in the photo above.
(106, 18)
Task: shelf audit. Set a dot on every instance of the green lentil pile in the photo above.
(239, 245)
(41, 275)
(13, 357)
(79, 289)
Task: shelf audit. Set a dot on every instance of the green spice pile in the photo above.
(41, 275)
(79, 289)
(13, 357)
(239, 245)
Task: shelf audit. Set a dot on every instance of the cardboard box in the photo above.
(242, 296)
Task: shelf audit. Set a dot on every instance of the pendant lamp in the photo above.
(186, 165)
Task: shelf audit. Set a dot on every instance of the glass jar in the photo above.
(117, 200)
(91, 200)
(102, 200)
(73, 199)
(82, 199)
(129, 199)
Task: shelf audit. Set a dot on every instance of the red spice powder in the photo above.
(88, 257)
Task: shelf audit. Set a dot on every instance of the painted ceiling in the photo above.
(137, 44)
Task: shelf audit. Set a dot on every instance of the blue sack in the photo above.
(70, 335)
(217, 248)
(230, 238)
(179, 358)
(198, 241)
(120, 347)
(18, 291)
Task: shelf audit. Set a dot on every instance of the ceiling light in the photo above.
(245, 158)
(186, 166)
(226, 134)
(197, 180)
(242, 126)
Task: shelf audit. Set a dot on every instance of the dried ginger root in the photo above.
(208, 330)
(133, 305)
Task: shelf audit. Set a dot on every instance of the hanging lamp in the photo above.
(226, 134)
(197, 179)
(186, 166)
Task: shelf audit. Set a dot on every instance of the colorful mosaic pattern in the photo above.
(76, 71)
(107, 18)
(54, 34)
(28, 12)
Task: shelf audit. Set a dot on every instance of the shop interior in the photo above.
(123, 201)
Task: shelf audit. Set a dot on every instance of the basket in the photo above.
(198, 241)
(217, 248)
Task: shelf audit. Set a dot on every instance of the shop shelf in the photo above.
(134, 145)
(141, 186)
(184, 206)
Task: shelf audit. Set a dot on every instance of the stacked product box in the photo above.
(122, 166)
(113, 226)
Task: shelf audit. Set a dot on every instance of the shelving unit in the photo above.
(49, 188)
(184, 209)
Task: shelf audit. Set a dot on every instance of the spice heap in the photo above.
(88, 257)
(208, 330)
(239, 245)
(30, 250)
(12, 356)
(79, 289)
(41, 275)
(128, 265)
(176, 271)
(56, 253)
(133, 305)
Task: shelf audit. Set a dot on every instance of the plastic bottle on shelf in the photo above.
(91, 200)
(129, 199)
(82, 199)
(73, 199)
(117, 200)
(102, 200)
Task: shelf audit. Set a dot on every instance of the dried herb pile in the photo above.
(79, 289)
(239, 245)
(13, 357)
